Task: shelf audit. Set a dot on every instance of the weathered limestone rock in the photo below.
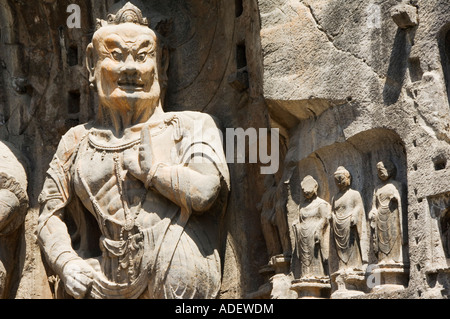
(351, 83)
(348, 83)
(405, 16)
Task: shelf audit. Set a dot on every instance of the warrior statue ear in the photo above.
(164, 64)
(90, 64)
(163, 77)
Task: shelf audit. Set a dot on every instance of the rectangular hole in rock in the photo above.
(415, 70)
(445, 60)
(71, 123)
(72, 55)
(241, 57)
(73, 102)
(439, 163)
(445, 230)
(239, 8)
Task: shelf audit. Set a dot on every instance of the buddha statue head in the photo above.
(342, 178)
(309, 187)
(385, 170)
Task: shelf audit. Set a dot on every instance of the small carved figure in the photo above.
(274, 218)
(130, 204)
(13, 209)
(268, 223)
(386, 216)
(349, 223)
(311, 232)
(281, 219)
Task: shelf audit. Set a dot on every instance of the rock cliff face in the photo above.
(347, 83)
(351, 82)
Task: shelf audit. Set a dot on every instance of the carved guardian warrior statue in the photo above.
(130, 204)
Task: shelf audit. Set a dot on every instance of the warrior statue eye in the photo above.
(117, 55)
(141, 57)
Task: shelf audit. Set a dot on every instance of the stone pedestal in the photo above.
(405, 16)
(281, 287)
(348, 283)
(278, 285)
(312, 288)
(264, 290)
(389, 277)
(280, 263)
(438, 278)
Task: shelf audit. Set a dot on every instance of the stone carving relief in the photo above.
(445, 229)
(311, 233)
(386, 216)
(386, 221)
(354, 230)
(273, 219)
(349, 234)
(276, 234)
(438, 270)
(131, 202)
(13, 208)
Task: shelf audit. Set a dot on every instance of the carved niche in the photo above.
(362, 180)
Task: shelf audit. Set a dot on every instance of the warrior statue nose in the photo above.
(129, 68)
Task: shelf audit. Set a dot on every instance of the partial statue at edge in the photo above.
(131, 202)
(13, 209)
(274, 219)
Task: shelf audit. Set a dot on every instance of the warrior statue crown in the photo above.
(129, 13)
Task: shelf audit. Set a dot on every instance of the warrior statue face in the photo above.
(124, 61)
